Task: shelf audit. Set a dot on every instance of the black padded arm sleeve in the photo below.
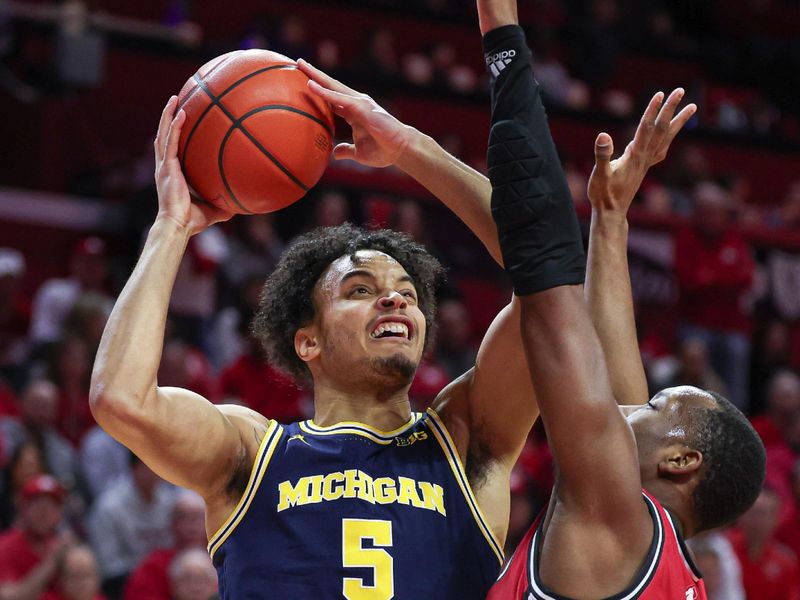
(531, 204)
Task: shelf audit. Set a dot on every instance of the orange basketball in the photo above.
(255, 138)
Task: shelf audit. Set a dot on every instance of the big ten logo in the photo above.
(419, 435)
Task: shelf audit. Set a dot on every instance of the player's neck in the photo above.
(384, 412)
(677, 503)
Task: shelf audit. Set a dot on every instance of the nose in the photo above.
(392, 300)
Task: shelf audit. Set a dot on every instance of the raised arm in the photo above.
(612, 187)
(593, 447)
(380, 140)
(180, 435)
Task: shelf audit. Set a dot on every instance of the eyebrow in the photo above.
(370, 275)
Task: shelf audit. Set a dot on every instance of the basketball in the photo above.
(255, 138)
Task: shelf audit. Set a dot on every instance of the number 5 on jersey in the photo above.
(354, 554)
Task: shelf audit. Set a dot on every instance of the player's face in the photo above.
(663, 421)
(369, 318)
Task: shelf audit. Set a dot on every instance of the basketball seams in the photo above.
(210, 71)
(216, 100)
(236, 123)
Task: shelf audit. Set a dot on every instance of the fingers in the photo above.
(603, 151)
(174, 136)
(340, 102)
(675, 125)
(325, 80)
(163, 127)
(667, 111)
(646, 128)
(344, 151)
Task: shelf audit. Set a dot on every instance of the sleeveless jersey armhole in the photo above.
(451, 453)
(265, 451)
(538, 591)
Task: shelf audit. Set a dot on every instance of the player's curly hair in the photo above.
(286, 299)
(734, 461)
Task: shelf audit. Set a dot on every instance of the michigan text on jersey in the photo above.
(354, 483)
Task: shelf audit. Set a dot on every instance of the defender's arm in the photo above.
(612, 187)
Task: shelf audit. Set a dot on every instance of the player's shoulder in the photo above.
(246, 420)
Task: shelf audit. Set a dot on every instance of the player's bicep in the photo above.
(183, 437)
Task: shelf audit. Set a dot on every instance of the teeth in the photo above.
(400, 328)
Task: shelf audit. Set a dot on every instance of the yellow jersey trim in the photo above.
(446, 442)
(354, 428)
(265, 452)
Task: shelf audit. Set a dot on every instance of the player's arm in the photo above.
(381, 140)
(593, 446)
(612, 187)
(180, 435)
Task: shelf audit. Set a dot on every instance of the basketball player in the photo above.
(630, 488)
(367, 500)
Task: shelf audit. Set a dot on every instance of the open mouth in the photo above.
(390, 329)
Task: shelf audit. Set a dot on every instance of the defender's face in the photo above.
(664, 420)
(369, 317)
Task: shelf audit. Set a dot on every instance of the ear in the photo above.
(680, 462)
(306, 343)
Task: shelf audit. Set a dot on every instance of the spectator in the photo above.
(252, 382)
(103, 460)
(377, 64)
(128, 521)
(30, 553)
(715, 269)
(252, 252)
(716, 560)
(26, 463)
(88, 318)
(455, 350)
(186, 367)
(769, 570)
(429, 380)
(150, 580)
(55, 298)
(194, 296)
(783, 408)
(39, 412)
(15, 314)
(694, 369)
(71, 370)
(331, 209)
(78, 577)
(771, 353)
(291, 39)
(231, 327)
(789, 530)
(192, 576)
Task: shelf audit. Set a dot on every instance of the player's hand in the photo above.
(379, 139)
(174, 199)
(614, 183)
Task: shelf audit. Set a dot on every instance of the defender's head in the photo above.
(354, 305)
(697, 446)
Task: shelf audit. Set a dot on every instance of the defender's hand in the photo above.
(379, 139)
(174, 200)
(613, 183)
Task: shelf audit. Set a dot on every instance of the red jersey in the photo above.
(18, 556)
(667, 574)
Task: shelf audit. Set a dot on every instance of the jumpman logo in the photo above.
(298, 437)
(691, 594)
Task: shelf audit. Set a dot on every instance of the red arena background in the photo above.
(82, 85)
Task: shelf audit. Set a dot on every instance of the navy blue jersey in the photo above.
(351, 512)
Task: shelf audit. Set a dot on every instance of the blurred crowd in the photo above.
(80, 511)
(81, 518)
